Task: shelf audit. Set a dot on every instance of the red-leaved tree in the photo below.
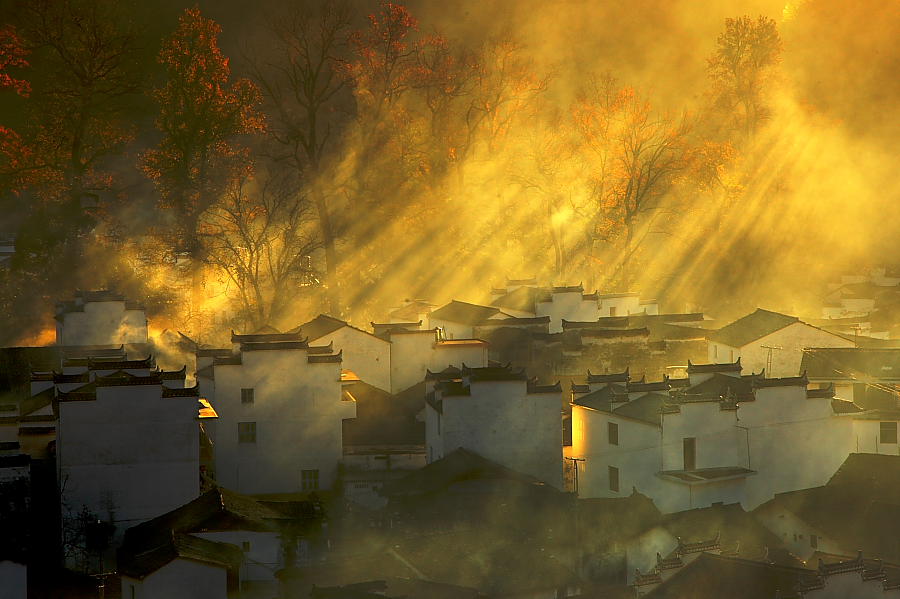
(202, 112)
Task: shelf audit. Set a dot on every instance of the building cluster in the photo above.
(548, 443)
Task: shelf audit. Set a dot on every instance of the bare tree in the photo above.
(301, 81)
(260, 236)
(636, 156)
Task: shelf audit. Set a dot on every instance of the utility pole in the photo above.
(771, 348)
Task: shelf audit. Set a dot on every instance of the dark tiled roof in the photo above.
(459, 465)
(494, 373)
(102, 364)
(614, 333)
(270, 346)
(522, 299)
(790, 381)
(645, 408)
(854, 506)
(535, 388)
(851, 363)
(122, 379)
(733, 526)
(216, 509)
(616, 377)
(322, 359)
(323, 324)
(824, 392)
(602, 399)
(384, 419)
(173, 375)
(722, 385)
(712, 576)
(447, 374)
(185, 392)
(463, 313)
(149, 560)
(752, 327)
(703, 368)
(265, 337)
(514, 322)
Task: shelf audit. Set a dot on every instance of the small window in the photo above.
(690, 453)
(438, 423)
(888, 432)
(245, 546)
(715, 351)
(309, 480)
(613, 479)
(246, 396)
(246, 432)
(612, 310)
(613, 430)
(814, 541)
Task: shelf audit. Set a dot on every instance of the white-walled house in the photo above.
(13, 579)
(852, 511)
(280, 410)
(456, 319)
(499, 414)
(720, 437)
(267, 536)
(765, 340)
(567, 303)
(415, 352)
(100, 318)
(182, 567)
(367, 356)
(127, 447)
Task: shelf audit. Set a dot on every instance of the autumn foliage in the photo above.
(201, 113)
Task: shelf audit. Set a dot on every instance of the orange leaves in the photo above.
(12, 56)
(202, 111)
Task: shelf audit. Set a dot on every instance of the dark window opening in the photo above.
(613, 430)
(246, 395)
(613, 479)
(246, 432)
(690, 453)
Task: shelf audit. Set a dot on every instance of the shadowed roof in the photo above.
(713, 576)
(851, 363)
(464, 312)
(752, 327)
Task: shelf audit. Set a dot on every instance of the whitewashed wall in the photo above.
(366, 355)
(298, 411)
(503, 423)
(130, 450)
(179, 579)
(102, 323)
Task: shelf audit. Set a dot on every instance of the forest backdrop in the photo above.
(306, 157)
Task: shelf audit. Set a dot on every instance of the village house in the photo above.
(524, 298)
(146, 465)
(280, 411)
(364, 354)
(100, 318)
(490, 411)
(239, 542)
(854, 510)
(414, 352)
(717, 436)
(384, 442)
(765, 340)
(628, 535)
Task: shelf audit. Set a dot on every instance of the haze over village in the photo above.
(523, 300)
